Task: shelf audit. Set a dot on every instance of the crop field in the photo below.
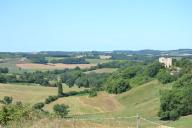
(102, 70)
(33, 66)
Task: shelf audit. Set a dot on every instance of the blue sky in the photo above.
(79, 25)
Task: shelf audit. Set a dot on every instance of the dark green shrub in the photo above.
(2, 79)
(7, 100)
(38, 105)
(50, 99)
(4, 70)
(92, 93)
(60, 88)
(174, 115)
(61, 110)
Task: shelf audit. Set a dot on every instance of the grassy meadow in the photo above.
(31, 93)
(142, 99)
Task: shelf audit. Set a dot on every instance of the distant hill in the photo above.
(179, 52)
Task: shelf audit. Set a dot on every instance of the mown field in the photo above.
(143, 99)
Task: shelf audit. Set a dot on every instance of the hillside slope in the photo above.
(143, 100)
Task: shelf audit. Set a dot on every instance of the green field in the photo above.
(143, 99)
(31, 94)
(96, 61)
(102, 70)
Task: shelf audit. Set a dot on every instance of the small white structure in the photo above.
(22, 60)
(166, 61)
(104, 57)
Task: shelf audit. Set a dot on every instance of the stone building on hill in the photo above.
(166, 61)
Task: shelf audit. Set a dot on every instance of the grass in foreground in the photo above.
(80, 105)
(143, 99)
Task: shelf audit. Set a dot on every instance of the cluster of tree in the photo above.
(17, 112)
(4, 70)
(132, 57)
(70, 61)
(165, 77)
(178, 101)
(118, 82)
(5, 55)
(14, 112)
(133, 75)
(117, 85)
(77, 77)
(36, 58)
(49, 78)
(38, 77)
(185, 65)
(117, 64)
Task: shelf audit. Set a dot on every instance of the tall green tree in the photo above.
(60, 88)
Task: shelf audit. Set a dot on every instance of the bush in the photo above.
(3, 79)
(61, 110)
(174, 114)
(38, 106)
(92, 93)
(7, 100)
(14, 112)
(165, 77)
(50, 99)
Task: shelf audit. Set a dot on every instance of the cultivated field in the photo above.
(34, 66)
